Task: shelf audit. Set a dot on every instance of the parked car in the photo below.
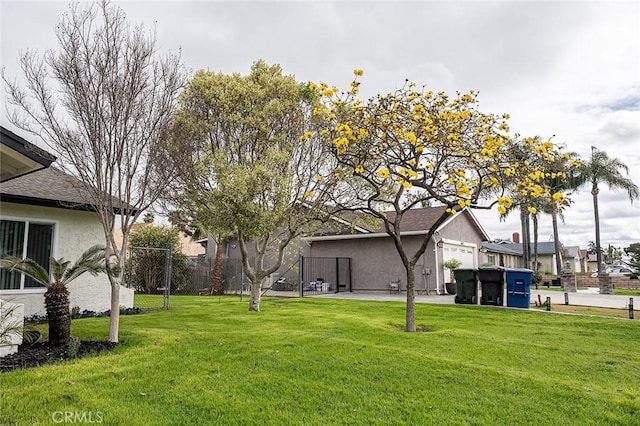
(616, 271)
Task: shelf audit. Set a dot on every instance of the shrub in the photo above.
(147, 264)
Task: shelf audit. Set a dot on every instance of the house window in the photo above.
(491, 259)
(24, 239)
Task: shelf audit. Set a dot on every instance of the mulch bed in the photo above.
(37, 354)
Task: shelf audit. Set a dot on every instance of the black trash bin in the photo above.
(492, 284)
(467, 286)
(519, 287)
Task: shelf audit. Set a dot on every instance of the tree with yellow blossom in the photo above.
(543, 172)
(414, 147)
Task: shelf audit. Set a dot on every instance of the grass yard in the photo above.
(319, 362)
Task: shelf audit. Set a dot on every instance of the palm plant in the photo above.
(603, 169)
(56, 298)
(561, 179)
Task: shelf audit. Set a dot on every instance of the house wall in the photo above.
(12, 315)
(75, 231)
(546, 263)
(500, 259)
(376, 262)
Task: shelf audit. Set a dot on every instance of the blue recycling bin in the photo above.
(519, 287)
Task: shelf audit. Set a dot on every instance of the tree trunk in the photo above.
(596, 216)
(526, 237)
(115, 280)
(56, 300)
(217, 276)
(556, 240)
(114, 318)
(411, 300)
(535, 242)
(256, 288)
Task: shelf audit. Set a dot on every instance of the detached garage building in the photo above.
(375, 261)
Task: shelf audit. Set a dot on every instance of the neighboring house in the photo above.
(501, 254)
(190, 248)
(375, 261)
(46, 214)
(592, 263)
(575, 259)
(509, 254)
(368, 256)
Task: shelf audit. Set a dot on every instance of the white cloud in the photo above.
(568, 69)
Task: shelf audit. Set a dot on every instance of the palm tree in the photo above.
(56, 298)
(603, 169)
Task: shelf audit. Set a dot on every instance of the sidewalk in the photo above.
(587, 298)
(581, 298)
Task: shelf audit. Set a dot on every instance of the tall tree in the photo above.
(550, 171)
(56, 298)
(601, 169)
(410, 148)
(560, 178)
(251, 164)
(103, 102)
(196, 230)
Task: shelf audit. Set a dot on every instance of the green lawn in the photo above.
(319, 362)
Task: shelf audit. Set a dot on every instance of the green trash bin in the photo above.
(492, 284)
(466, 286)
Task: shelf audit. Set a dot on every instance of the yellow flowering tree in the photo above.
(543, 173)
(415, 147)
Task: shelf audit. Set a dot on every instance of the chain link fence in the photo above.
(148, 272)
(155, 274)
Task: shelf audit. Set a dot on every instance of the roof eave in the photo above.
(59, 204)
(362, 236)
(29, 157)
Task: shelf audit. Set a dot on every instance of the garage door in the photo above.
(465, 254)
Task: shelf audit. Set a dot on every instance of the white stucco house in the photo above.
(46, 213)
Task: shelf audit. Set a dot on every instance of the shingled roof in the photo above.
(414, 221)
(48, 187)
(544, 248)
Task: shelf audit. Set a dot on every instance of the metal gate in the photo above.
(148, 272)
(320, 275)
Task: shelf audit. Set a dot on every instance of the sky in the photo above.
(563, 70)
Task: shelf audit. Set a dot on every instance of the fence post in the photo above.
(301, 276)
(548, 303)
(337, 281)
(350, 277)
(566, 298)
(631, 308)
(167, 281)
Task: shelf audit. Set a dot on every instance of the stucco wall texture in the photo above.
(75, 231)
(376, 262)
